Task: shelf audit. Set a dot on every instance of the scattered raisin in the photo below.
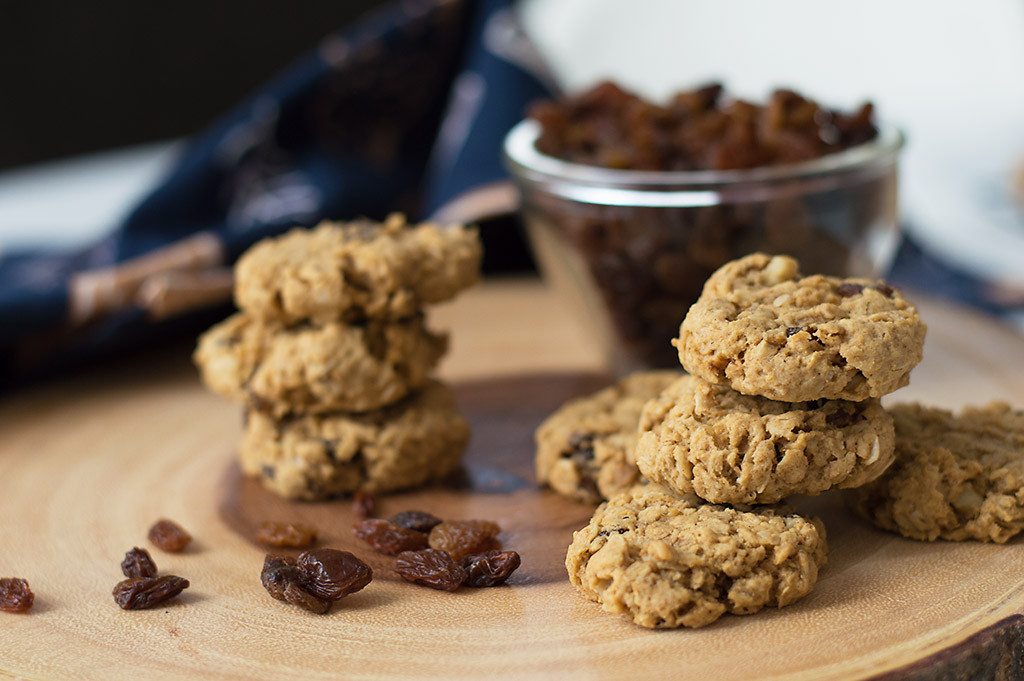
(491, 568)
(421, 521)
(885, 289)
(846, 289)
(286, 535)
(15, 595)
(138, 563)
(460, 538)
(169, 536)
(430, 567)
(332, 574)
(364, 504)
(147, 592)
(793, 330)
(285, 580)
(389, 538)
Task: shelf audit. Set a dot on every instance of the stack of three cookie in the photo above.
(786, 372)
(331, 356)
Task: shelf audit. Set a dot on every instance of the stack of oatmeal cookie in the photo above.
(331, 356)
(783, 399)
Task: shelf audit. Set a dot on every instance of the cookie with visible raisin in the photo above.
(358, 269)
(318, 456)
(584, 449)
(763, 329)
(667, 560)
(730, 448)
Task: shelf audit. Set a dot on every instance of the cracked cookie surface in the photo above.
(584, 449)
(418, 440)
(730, 448)
(316, 369)
(667, 560)
(956, 476)
(762, 329)
(357, 269)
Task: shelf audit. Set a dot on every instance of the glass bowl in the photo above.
(630, 250)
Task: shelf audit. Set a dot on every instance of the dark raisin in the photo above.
(285, 580)
(333, 574)
(846, 289)
(15, 595)
(885, 289)
(421, 521)
(491, 568)
(840, 418)
(389, 538)
(460, 538)
(169, 536)
(148, 592)
(286, 535)
(581, 447)
(268, 472)
(616, 530)
(138, 563)
(793, 330)
(430, 567)
(364, 504)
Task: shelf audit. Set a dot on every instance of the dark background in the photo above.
(77, 77)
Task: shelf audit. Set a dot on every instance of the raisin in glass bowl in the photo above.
(629, 250)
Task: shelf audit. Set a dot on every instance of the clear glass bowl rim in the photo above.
(525, 162)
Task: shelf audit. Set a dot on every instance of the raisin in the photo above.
(885, 289)
(332, 574)
(286, 535)
(491, 568)
(840, 418)
(140, 593)
(364, 504)
(793, 330)
(617, 530)
(169, 536)
(460, 538)
(15, 595)
(846, 290)
(421, 521)
(138, 563)
(389, 538)
(285, 580)
(430, 567)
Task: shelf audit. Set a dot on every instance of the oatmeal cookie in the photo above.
(762, 329)
(730, 448)
(316, 369)
(667, 560)
(956, 477)
(311, 457)
(356, 269)
(584, 450)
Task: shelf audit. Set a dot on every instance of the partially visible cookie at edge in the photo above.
(357, 269)
(584, 449)
(666, 560)
(730, 448)
(763, 329)
(416, 441)
(316, 369)
(956, 476)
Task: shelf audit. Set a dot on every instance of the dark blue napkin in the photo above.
(405, 111)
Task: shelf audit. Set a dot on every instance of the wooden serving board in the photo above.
(87, 464)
